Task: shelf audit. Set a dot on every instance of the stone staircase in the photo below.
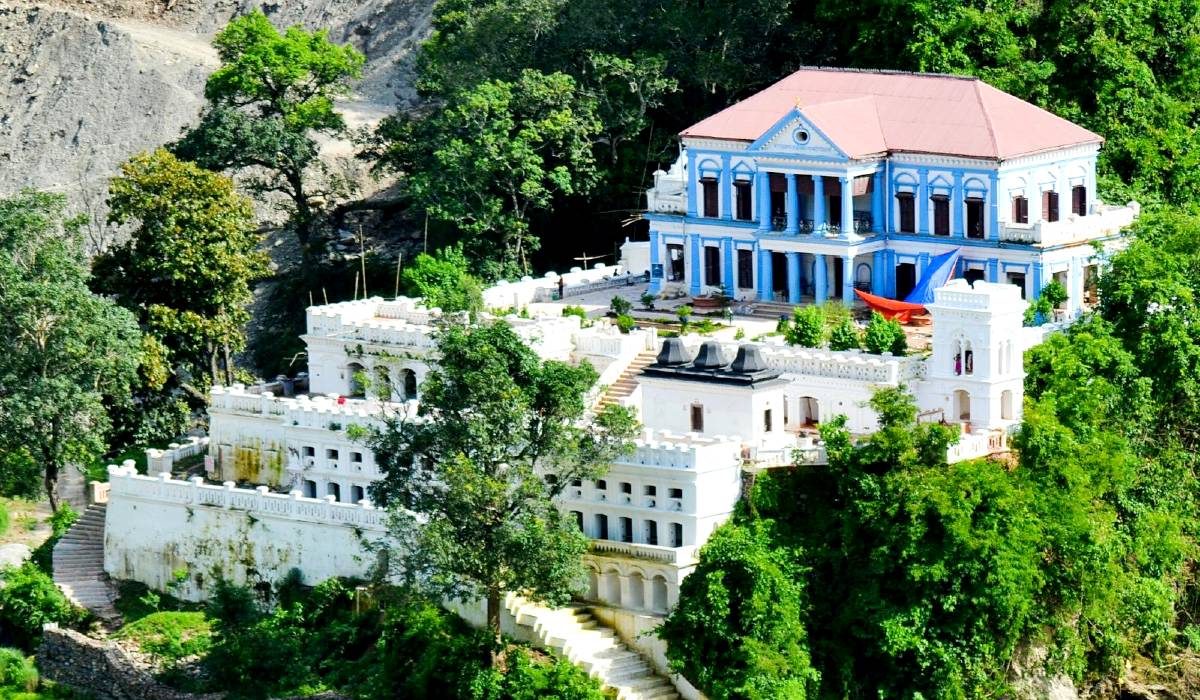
(575, 633)
(78, 562)
(627, 382)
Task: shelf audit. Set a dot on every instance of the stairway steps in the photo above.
(78, 564)
(576, 634)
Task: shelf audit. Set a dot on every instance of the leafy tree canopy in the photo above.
(499, 436)
(443, 281)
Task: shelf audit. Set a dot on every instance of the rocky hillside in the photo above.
(86, 83)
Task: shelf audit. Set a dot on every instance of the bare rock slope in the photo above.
(84, 84)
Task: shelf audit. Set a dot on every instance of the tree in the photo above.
(443, 281)
(807, 328)
(66, 348)
(745, 595)
(272, 94)
(883, 335)
(844, 336)
(495, 154)
(187, 268)
(500, 436)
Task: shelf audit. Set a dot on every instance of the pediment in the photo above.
(796, 134)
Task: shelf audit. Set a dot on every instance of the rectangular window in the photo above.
(331, 454)
(675, 262)
(1020, 213)
(697, 419)
(651, 532)
(941, 215)
(602, 527)
(356, 457)
(676, 535)
(767, 420)
(908, 211)
(626, 487)
(712, 265)
(778, 200)
(310, 451)
(745, 269)
(741, 190)
(356, 494)
(1079, 200)
(1050, 205)
(675, 493)
(578, 519)
(602, 485)
(627, 529)
(651, 490)
(577, 482)
(1017, 278)
(711, 198)
(974, 217)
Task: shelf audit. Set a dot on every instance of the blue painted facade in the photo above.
(820, 223)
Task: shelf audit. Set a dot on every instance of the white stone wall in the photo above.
(217, 531)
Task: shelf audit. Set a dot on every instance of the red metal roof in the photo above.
(870, 112)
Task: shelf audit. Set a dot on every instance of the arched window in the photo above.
(354, 379)
(410, 384)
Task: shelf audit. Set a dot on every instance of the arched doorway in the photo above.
(409, 378)
(354, 380)
(593, 591)
(658, 591)
(962, 404)
(383, 383)
(612, 587)
(809, 411)
(1006, 405)
(637, 591)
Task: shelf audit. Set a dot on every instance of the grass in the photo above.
(170, 635)
(135, 601)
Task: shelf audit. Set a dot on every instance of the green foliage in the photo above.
(443, 281)
(844, 336)
(807, 328)
(501, 440)
(747, 596)
(620, 306)
(17, 671)
(68, 351)
(575, 311)
(170, 636)
(683, 313)
(625, 323)
(493, 155)
(647, 300)
(272, 93)
(28, 600)
(883, 335)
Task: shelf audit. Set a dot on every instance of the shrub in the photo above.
(807, 328)
(62, 519)
(620, 306)
(625, 323)
(647, 300)
(844, 336)
(29, 600)
(684, 313)
(883, 336)
(17, 671)
(170, 636)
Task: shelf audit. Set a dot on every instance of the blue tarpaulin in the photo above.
(937, 272)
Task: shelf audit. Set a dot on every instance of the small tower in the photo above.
(976, 372)
(713, 394)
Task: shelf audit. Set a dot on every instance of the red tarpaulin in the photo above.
(902, 311)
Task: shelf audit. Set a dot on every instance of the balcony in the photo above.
(1104, 221)
(650, 552)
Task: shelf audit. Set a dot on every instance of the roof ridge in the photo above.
(889, 71)
(987, 118)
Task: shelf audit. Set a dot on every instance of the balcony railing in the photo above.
(651, 552)
(1103, 221)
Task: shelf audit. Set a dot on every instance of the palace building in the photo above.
(834, 179)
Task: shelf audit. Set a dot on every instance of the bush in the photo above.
(170, 636)
(17, 671)
(807, 328)
(683, 313)
(28, 600)
(647, 300)
(625, 323)
(883, 336)
(620, 306)
(844, 336)
(20, 475)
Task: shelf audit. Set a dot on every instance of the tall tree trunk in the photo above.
(493, 621)
(50, 482)
(228, 364)
(212, 363)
